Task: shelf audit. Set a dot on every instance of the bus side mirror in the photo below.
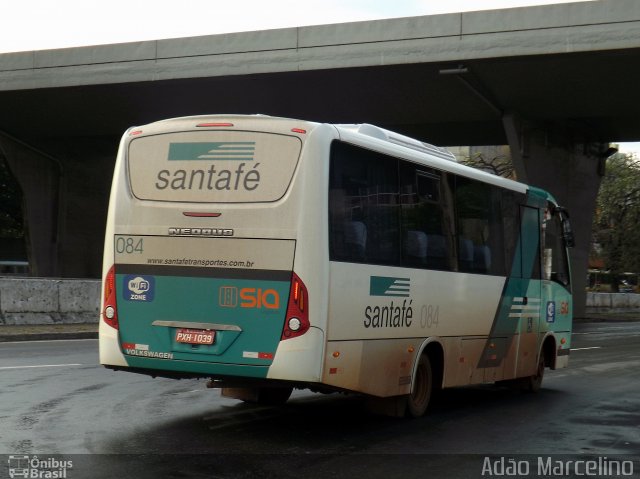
(567, 231)
(567, 234)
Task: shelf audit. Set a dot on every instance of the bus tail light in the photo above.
(214, 125)
(110, 311)
(297, 320)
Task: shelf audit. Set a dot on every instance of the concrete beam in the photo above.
(544, 30)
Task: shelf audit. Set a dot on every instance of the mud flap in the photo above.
(243, 394)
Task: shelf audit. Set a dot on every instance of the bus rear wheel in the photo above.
(418, 400)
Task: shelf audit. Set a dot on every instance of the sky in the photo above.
(47, 24)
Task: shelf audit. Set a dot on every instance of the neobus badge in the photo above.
(201, 232)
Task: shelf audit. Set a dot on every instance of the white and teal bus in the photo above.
(268, 254)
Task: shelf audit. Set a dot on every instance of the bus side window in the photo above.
(510, 213)
(363, 206)
(348, 237)
(355, 239)
(479, 226)
(425, 229)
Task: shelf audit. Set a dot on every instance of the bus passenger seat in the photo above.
(481, 259)
(466, 252)
(436, 252)
(416, 247)
(355, 237)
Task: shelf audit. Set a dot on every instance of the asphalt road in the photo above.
(56, 400)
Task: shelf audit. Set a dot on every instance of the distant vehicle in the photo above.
(268, 254)
(625, 287)
(14, 268)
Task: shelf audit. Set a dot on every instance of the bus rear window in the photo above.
(213, 166)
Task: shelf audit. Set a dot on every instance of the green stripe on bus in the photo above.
(228, 150)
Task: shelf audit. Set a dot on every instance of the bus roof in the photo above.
(372, 137)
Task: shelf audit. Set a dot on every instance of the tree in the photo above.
(616, 224)
(499, 165)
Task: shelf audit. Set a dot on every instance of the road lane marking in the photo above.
(42, 366)
(582, 349)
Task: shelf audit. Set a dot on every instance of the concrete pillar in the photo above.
(88, 170)
(564, 162)
(39, 176)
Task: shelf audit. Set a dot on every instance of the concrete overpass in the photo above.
(556, 83)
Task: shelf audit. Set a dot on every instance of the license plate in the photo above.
(195, 336)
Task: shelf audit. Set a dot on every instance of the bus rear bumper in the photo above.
(299, 359)
(110, 352)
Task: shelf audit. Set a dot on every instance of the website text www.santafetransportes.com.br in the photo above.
(201, 262)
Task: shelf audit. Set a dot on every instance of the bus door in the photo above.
(556, 276)
(526, 307)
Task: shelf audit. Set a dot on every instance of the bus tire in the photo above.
(534, 383)
(418, 400)
(273, 396)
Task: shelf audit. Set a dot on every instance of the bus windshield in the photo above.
(213, 166)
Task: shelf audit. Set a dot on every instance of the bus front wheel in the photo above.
(534, 383)
(418, 400)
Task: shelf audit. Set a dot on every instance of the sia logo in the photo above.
(252, 298)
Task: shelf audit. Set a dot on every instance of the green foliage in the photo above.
(617, 222)
(11, 222)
